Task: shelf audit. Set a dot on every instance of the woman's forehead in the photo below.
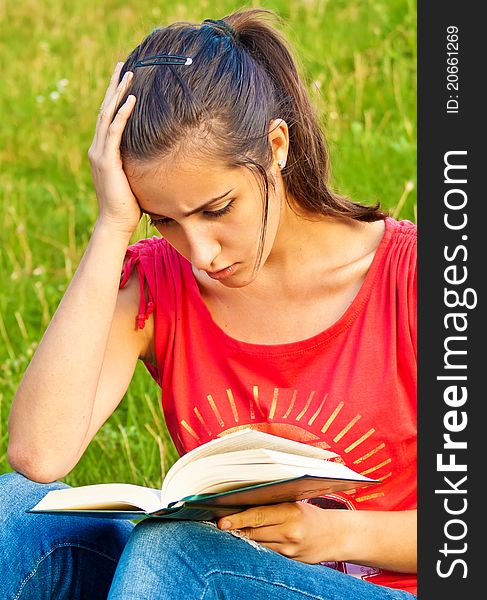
(166, 177)
(177, 166)
(184, 186)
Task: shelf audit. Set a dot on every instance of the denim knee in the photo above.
(22, 486)
(175, 537)
(18, 494)
(41, 554)
(162, 556)
(172, 543)
(179, 545)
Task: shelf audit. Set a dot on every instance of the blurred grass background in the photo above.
(56, 58)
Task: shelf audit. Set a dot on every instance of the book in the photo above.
(221, 477)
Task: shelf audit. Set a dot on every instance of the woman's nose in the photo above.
(203, 249)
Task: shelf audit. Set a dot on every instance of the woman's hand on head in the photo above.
(117, 205)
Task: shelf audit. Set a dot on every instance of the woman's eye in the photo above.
(164, 222)
(214, 214)
(209, 214)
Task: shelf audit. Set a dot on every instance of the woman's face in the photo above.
(211, 215)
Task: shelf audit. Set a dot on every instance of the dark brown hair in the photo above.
(220, 107)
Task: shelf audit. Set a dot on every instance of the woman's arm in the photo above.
(386, 539)
(87, 355)
(81, 368)
(304, 532)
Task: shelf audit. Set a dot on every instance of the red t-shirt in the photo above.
(350, 388)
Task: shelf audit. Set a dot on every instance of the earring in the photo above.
(281, 163)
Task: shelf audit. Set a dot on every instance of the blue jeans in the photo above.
(45, 557)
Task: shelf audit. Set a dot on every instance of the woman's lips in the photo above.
(222, 273)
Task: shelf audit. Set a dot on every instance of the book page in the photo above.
(108, 496)
(245, 439)
(219, 473)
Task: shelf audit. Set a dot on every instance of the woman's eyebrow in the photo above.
(195, 210)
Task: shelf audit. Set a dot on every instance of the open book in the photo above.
(226, 475)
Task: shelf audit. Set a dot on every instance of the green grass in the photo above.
(359, 62)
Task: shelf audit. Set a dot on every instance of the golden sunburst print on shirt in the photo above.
(309, 418)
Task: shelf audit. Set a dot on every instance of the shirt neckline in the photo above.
(299, 346)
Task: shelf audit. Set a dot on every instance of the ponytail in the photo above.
(307, 172)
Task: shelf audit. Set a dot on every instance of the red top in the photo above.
(350, 388)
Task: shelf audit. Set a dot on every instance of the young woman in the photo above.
(268, 302)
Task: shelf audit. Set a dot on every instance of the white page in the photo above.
(206, 475)
(245, 439)
(100, 495)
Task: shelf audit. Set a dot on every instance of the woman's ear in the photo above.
(279, 141)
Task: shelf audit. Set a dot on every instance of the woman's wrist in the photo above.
(352, 527)
(385, 539)
(340, 529)
(104, 228)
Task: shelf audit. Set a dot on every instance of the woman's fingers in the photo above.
(117, 95)
(112, 86)
(108, 113)
(115, 130)
(117, 204)
(113, 95)
(270, 534)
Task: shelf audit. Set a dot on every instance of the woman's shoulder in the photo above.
(402, 229)
(400, 265)
(159, 269)
(149, 247)
(396, 260)
(155, 256)
(402, 236)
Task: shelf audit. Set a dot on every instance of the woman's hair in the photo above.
(220, 107)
